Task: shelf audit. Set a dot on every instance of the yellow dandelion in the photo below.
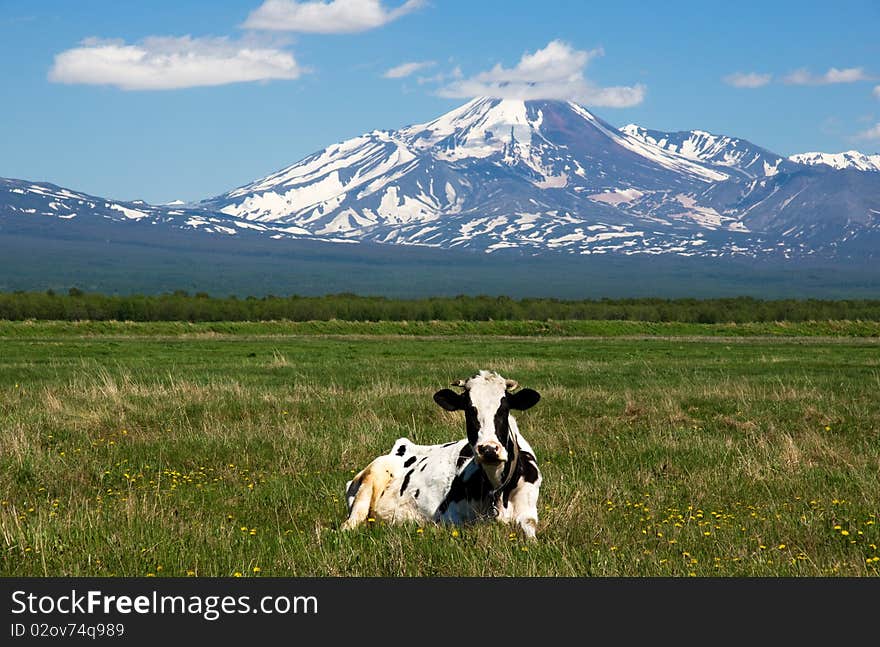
(371, 520)
(190, 573)
(781, 546)
(257, 569)
(455, 533)
(420, 531)
(845, 533)
(236, 574)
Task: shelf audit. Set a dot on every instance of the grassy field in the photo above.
(174, 450)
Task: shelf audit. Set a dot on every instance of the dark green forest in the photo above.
(77, 305)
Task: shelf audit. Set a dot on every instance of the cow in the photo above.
(491, 474)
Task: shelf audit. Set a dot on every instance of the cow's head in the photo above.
(487, 400)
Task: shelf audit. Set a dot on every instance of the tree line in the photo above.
(76, 305)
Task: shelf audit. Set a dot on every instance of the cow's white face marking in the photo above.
(487, 419)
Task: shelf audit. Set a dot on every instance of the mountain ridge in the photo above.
(534, 177)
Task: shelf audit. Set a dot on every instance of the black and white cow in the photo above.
(492, 474)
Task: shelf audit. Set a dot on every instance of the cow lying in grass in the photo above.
(492, 474)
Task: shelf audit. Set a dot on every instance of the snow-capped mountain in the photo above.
(848, 159)
(41, 200)
(533, 175)
(492, 159)
(489, 175)
(529, 176)
(739, 156)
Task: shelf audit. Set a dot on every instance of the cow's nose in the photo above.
(487, 451)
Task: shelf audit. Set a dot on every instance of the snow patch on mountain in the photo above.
(847, 159)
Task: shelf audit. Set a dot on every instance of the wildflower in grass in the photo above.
(455, 533)
(371, 520)
(845, 533)
(257, 569)
(253, 531)
(420, 531)
(190, 573)
(781, 546)
(236, 574)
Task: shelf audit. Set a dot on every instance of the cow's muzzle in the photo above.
(491, 453)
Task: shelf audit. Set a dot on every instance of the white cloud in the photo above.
(406, 69)
(747, 79)
(442, 77)
(333, 17)
(803, 76)
(554, 72)
(166, 63)
(877, 91)
(871, 134)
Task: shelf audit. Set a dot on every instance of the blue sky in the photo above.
(185, 100)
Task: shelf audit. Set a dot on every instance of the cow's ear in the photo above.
(523, 399)
(449, 399)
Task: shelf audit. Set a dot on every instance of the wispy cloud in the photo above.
(747, 79)
(407, 69)
(333, 17)
(554, 72)
(871, 134)
(877, 91)
(442, 77)
(803, 76)
(166, 63)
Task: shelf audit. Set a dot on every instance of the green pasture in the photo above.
(223, 449)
